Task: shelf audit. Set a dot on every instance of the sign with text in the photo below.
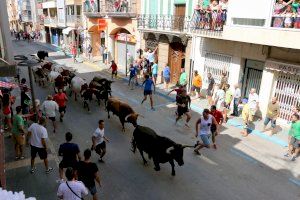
(102, 24)
(283, 67)
(124, 36)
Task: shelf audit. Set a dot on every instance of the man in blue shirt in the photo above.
(166, 75)
(148, 90)
(154, 70)
(132, 74)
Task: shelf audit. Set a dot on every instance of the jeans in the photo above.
(273, 122)
(236, 106)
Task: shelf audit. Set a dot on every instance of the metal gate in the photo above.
(216, 64)
(287, 90)
(121, 48)
(253, 80)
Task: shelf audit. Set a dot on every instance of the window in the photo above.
(78, 10)
(70, 10)
(248, 21)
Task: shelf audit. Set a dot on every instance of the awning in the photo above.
(67, 30)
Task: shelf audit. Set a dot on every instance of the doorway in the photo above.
(176, 60)
(252, 76)
(179, 14)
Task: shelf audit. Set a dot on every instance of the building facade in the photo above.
(113, 26)
(164, 24)
(256, 49)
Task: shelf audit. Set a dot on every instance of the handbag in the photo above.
(74, 192)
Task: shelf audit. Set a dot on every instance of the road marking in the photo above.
(295, 181)
(243, 155)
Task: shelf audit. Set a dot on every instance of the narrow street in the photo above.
(241, 168)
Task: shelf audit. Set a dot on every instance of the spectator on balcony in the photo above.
(288, 17)
(124, 6)
(214, 8)
(280, 6)
(117, 5)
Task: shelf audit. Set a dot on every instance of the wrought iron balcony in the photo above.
(50, 21)
(164, 22)
(73, 19)
(110, 8)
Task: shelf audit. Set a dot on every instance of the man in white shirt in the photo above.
(38, 135)
(236, 100)
(49, 108)
(71, 189)
(151, 56)
(253, 101)
(99, 140)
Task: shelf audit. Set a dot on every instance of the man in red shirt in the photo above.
(61, 99)
(219, 118)
(114, 69)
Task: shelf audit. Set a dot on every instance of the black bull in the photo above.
(160, 149)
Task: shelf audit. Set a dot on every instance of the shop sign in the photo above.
(283, 67)
(102, 24)
(124, 36)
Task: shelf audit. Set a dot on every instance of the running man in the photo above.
(215, 130)
(203, 130)
(183, 103)
(99, 141)
(114, 69)
(49, 108)
(61, 99)
(148, 90)
(132, 75)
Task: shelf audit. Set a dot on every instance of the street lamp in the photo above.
(30, 63)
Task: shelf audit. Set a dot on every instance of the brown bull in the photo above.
(123, 111)
(47, 66)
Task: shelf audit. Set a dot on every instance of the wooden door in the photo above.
(179, 15)
(176, 60)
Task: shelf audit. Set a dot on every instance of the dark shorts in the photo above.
(100, 146)
(167, 79)
(196, 88)
(93, 190)
(52, 119)
(114, 73)
(147, 92)
(154, 75)
(41, 151)
(294, 142)
(65, 164)
(209, 93)
(273, 122)
(181, 111)
(62, 109)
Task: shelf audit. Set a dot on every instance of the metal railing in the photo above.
(73, 19)
(164, 22)
(50, 20)
(281, 21)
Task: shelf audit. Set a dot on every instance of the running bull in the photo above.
(122, 110)
(159, 148)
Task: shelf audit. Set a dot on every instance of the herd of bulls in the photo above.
(159, 149)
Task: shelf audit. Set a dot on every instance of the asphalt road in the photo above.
(228, 173)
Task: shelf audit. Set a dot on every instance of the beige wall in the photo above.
(237, 49)
(284, 54)
(163, 58)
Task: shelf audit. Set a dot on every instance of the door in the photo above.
(176, 60)
(179, 15)
(252, 76)
(287, 91)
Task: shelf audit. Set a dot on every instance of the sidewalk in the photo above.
(197, 106)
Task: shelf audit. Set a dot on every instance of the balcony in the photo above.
(111, 9)
(163, 23)
(73, 20)
(50, 21)
(26, 18)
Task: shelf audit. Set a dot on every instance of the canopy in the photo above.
(67, 30)
(7, 85)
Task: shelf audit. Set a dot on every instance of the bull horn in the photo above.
(184, 146)
(168, 151)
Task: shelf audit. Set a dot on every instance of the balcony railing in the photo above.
(164, 22)
(76, 19)
(50, 20)
(208, 20)
(282, 21)
(110, 8)
(26, 18)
